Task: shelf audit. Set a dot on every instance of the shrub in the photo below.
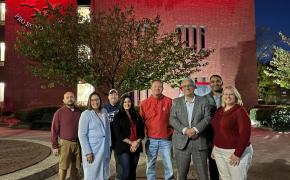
(276, 118)
(34, 114)
(280, 119)
(21, 115)
(253, 114)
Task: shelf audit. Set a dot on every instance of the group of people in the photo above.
(212, 130)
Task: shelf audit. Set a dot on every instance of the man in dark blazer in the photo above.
(214, 99)
(190, 117)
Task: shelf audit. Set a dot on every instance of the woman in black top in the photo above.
(128, 128)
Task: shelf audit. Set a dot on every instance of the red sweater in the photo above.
(155, 113)
(232, 129)
(65, 125)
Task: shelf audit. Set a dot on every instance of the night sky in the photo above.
(272, 17)
(274, 14)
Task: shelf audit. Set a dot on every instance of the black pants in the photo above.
(128, 162)
(213, 170)
(118, 166)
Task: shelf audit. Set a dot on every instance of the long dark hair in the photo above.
(132, 110)
(89, 100)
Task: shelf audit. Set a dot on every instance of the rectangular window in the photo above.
(2, 86)
(84, 2)
(194, 38)
(2, 12)
(179, 33)
(187, 37)
(2, 51)
(83, 92)
(84, 12)
(139, 96)
(84, 53)
(202, 37)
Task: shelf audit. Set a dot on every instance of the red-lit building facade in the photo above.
(228, 26)
(19, 89)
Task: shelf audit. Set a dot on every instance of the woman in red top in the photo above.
(128, 128)
(232, 130)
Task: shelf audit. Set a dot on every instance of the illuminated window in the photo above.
(2, 85)
(84, 12)
(283, 92)
(2, 12)
(83, 92)
(2, 52)
(84, 53)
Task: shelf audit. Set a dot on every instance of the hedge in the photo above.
(33, 114)
(276, 118)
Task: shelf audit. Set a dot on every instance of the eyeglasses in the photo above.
(187, 86)
(232, 94)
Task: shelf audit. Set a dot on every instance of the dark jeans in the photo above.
(213, 170)
(118, 166)
(128, 162)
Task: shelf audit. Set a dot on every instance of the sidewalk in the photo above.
(271, 159)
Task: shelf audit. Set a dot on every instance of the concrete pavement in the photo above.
(271, 160)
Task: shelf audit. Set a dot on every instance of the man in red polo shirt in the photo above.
(64, 129)
(155, 112)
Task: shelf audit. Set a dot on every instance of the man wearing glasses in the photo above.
(190, 117)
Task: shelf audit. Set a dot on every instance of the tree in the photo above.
(279, 68)
(266, 87)
(267, 40)
(112, 49)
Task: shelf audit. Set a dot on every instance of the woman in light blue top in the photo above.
(95, 139)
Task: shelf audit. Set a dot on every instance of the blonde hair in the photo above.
(236, 93)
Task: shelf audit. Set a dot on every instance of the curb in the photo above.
(44, 169)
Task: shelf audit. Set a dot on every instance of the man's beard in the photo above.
(218, 90)
(70, 103)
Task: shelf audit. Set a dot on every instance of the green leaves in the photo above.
(53, 48)
(112, 48)
(279, 68)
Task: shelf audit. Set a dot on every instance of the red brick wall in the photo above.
(230, 30)
(22, 90)
(1, 74)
